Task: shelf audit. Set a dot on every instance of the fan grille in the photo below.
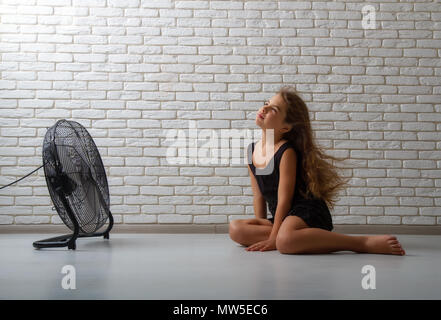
(70, 155)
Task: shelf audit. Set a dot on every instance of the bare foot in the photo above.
(385, 244)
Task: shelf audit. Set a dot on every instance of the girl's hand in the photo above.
(265, 245)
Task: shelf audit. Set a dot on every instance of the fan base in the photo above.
(67, 240)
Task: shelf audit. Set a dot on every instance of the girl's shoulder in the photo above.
(285, 146)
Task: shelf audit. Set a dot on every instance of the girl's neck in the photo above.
(265, 138)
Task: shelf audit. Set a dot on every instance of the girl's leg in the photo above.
(249, 231)
(315, 240)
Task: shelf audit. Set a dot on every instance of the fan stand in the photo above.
(69, 240)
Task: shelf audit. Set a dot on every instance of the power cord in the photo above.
(22, 177)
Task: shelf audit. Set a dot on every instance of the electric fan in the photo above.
(77, 183)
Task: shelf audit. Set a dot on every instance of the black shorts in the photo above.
(314, 212)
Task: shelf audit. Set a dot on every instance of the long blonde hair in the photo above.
(320, 175)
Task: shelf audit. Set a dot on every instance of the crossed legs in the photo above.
(249, 231)
(296, 237)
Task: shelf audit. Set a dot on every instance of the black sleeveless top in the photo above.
(314, 212)
(268, 178)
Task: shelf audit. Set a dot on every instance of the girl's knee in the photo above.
(288, 242)
(234, 228)
(235, 224)
(282, 242)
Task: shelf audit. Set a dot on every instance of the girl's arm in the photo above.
(259, 202)
(285, 192)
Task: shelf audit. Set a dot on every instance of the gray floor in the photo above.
(211, 266)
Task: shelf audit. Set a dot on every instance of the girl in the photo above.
(299, 185)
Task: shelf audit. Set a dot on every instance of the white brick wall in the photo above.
(132, 70)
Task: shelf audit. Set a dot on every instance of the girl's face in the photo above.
(272, 114)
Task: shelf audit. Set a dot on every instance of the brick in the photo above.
(430, 211)
(366, 211)
(6, 219)
(376, 201)
(210, 219)
(32, 219)
(175, 218)
(418, 201)
(140, 218)
(191, 190)
(400, 211)
(419, 220)
(175, 200)
(230, 209)
(390, 220)
(348, 220)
